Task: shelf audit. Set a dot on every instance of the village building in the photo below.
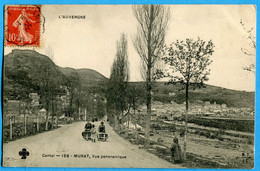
(172, 94)
(223, 106)
(128, 117)
(129, 120)
(206, 103)
(42, 113)
(208, 114)
(175, 115)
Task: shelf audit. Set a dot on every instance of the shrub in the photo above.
(156, 126)
(197, 132)
(220, 138)
(18, 130)
(250, 141)
(207, 134)
(172, 128)
(213, 136)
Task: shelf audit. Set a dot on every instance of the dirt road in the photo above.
(65, 147)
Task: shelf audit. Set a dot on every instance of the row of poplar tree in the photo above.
(186, 62)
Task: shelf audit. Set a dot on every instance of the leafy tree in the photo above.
(149, 40)
(118, 81)
(187, 63)
(134, 97)
(54, 98)
(74, 88)
(101, 109)
(49, 83)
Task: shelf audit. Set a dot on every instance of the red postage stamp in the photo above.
(22, 25)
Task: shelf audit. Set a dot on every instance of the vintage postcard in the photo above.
(129, 86)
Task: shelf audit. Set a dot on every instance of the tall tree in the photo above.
(49, 89)
(101, 110)
(149, 40)
(74, 88)
(187, 63)
(49, 81)
(118, 81)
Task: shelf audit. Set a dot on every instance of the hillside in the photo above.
(27, 71)
(24, 71)
(88, 77)
(168, 93)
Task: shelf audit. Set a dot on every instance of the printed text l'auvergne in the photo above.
(72, 17)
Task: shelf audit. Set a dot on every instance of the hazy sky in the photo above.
(91, 43)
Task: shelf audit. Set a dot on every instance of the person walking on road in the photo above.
(93, 133)
(176, 151)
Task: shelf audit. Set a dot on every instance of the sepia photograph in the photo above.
(129, 86)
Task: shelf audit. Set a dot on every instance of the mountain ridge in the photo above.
(24, 61)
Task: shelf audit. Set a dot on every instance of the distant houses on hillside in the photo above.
(174, 111)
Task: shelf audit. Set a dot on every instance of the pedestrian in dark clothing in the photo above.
(86, 133)
(88, 126)
(176, 151)
(102, 128)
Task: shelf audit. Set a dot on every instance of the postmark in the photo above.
(22, 25)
